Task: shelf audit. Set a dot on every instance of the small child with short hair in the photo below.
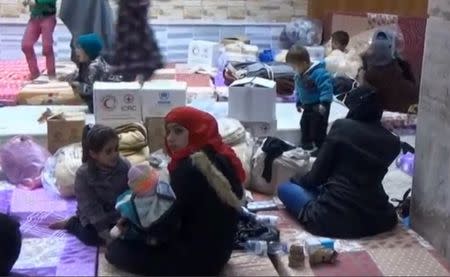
(314, 94)
(149, 198)
(91, 68)
(340, 40)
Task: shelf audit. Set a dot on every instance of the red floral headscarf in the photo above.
(203, 131)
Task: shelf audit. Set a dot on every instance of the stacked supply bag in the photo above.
(304, 31)
(133, 143)
(59, 172)
(275, 162)
(234, 134)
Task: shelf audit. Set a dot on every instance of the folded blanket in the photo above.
(133, 142)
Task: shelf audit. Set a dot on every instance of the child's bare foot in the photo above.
(59, 225)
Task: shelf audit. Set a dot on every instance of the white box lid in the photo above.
(255, 81)
(164, 84)
(117, 86)
(204, 42)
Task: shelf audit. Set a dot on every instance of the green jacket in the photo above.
(44, 8)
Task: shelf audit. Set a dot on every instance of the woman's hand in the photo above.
(75, 84)
(122, 222)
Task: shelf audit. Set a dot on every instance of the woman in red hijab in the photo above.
(200, 229)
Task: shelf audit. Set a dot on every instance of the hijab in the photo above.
(203, 132)
(363, 104)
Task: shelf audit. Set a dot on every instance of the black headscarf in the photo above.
(363, 104)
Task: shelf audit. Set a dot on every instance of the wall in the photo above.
(260, 20)
(430, 211)
(173, 39)
(206, 10)
(319, 8)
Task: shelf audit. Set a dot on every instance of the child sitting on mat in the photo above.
(149, 198)
(98, 182)
(91, 68)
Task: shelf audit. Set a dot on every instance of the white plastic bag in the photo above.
(290, 163)
(231, 130)
(59, 172)
(305, 31)
(233, 133)
(22, 161)
(343, 64)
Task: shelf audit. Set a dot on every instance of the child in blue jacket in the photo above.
(314, 93)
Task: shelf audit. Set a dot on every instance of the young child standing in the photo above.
(340, 40)
(91, 68)
(98, 182)
(314, 94)
(42, 22)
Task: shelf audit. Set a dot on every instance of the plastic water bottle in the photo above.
(268, 219)
(277, 248)
(257, 247)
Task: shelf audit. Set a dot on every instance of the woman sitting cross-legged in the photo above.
(195, 236)
(342, 196)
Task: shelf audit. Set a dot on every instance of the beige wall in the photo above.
(224, 10)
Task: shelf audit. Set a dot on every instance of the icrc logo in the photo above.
(128, 99)
(195, 50)
(109, 103)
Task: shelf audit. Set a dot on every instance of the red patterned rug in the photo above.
(13, 75)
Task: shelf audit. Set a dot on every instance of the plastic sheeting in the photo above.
(305, 31)
(235, 135)
(59, 172)
(22, 161)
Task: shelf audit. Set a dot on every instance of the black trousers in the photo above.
(165, 260)
(86, 234)
(314, 125)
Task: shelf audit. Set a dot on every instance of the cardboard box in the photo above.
(261, 129)
(252, 99)
(161, 96)
(203, 53)
(156, 133)
(200, 93)
(116, 104)
(48, 93)
(164, 74)
(64, 129)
